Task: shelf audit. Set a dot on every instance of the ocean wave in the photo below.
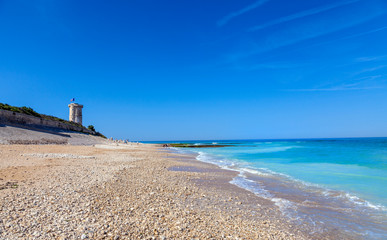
(274, 149)
(220, 161)
(245, 183)
(316, 188)
(256, 172)
(355, 200)
(263, 149)
(362, 202)
(298, 212)
(303, 201)
(252, 186)
(181, 150)
(287, 207)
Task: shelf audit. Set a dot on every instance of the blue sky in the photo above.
(167, 70)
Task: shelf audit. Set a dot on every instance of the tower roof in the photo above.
(75, 105)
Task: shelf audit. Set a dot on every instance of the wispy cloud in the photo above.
(353, 36)
(273, 66)
(309, 30)
(364, 83)
(232, 15)
(333, 89)
(366, 70)
(369, 78)
(356, 60)
(363, 59)
(302, 14)
(370, 59)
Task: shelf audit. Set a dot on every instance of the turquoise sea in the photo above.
(340, 183)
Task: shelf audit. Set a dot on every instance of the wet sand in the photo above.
(129, 192)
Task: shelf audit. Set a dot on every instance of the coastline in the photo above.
(129, 192)
(221, 180)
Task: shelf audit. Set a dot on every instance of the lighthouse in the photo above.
(75, 114)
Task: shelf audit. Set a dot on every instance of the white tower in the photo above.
(75, 113)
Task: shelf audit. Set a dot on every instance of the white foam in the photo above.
(256, 172)
(297, 211)
(221, 162)
(352, 199)
(273, 149)
(284, 204)
(286, 207)
(252, 186)
(359, 201)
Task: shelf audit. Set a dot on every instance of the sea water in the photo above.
(336, 183)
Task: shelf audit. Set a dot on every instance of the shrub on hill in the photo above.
(100, 135)
(25, 110)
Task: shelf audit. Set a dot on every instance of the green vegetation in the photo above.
(100, 135)
(25, 110)
(91, 127)
(30, 111)
(48, 117)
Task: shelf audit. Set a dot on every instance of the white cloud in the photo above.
(232, 15)
(370, 59)
(309, 30)
(302, 14)
(333, 89)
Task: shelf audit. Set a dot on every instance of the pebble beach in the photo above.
(124, 191)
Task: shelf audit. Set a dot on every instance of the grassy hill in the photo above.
(30, 111)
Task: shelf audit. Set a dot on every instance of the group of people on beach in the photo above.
(122, 141)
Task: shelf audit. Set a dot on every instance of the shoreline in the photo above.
(129, 192)
(318, 216)
(266, 206)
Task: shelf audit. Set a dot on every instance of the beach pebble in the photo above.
(125, 194)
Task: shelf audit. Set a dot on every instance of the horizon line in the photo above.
(259, 139)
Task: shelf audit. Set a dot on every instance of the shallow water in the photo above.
(336, 183)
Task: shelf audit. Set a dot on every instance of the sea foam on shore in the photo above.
(316, 182)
